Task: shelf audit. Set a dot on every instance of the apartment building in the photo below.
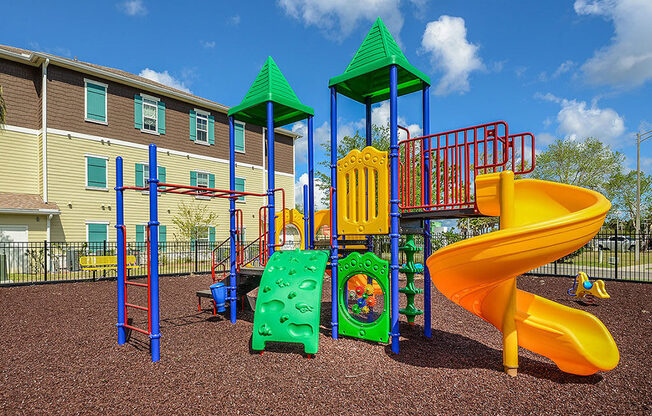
(66, 123)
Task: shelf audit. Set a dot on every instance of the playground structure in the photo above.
(584, 288)
(453, 174)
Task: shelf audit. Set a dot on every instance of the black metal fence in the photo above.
(609, 255)
(39, 262)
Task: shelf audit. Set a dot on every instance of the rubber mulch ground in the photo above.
(59, 355)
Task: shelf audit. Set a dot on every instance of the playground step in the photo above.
(441, 214)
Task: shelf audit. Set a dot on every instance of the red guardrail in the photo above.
(456, 157)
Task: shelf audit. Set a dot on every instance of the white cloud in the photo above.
(133, 8)
(578, 120)
(380, 117)
(563, 68)
(164, 78)
(234, 20)
(338, 18)
(445, 40)
(210, 44)
(544, 139)
(298, 192)
(627, 60)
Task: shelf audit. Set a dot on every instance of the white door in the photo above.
(13, 247)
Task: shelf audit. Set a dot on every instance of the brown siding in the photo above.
(21, 89)
(284, 155)
(66, 112)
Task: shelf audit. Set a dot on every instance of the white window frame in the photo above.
(208, 183)
(244, 134)
(208, 236)
(244, 198)
(106, 107)
(146, 177)
(107, 223)
(106, 173)
(203, 114)
(142, 111)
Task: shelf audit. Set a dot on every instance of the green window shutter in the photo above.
(193, 178)
(139, 175)
(239, 137)
(161, 176)
(138, 111)
(211, 129)
(211, 234)
(96, 172)
(240, 187)
(161, 117)
(140, 233)
(97, 235)
(95, 102)
(211, 180)
(193, 125)
(162, 233)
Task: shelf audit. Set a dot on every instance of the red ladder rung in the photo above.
(136, 284)
(142, 331)
(142, 308)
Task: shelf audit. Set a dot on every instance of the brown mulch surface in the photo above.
(59, 354)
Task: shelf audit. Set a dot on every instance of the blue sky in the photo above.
(554, 68)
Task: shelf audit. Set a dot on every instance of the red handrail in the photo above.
(456, 158)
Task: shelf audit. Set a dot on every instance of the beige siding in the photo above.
(36, 225)
(66, 166)
(19, 162)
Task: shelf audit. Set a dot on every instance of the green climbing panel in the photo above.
(289, 299)
(410, 268)
(351, 314)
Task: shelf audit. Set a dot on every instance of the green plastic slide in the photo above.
(289, 300)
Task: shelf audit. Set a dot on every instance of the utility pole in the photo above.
(640, 138)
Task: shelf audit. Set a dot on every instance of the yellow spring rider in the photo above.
(584, 288)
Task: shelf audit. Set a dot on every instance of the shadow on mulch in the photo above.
(455, 351)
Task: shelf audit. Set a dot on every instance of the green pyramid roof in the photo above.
(367, 76)
(270, 85)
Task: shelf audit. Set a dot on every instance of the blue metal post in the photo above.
(120, 221)
(311, 185)
(334, 294)
(306, 219)
(393, 232)
(270, 178)
(368, 122)
(426, 178)
(232, 231)
(155, 336)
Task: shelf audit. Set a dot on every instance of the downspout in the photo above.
(48, 229)
(44, 127)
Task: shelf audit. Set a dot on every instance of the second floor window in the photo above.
(95, 101)
(150, 115)
(202, 179)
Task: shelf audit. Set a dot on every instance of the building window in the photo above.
(149, 114)
(96, 172)
(95, 101)
(239, 139)
(202, 179)
(96, 234)
(240, 187)
(142, 174)
(202, 128)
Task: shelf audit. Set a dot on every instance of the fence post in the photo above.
(196, 251)
(45, 260)
(616, 251)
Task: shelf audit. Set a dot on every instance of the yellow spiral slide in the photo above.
(540, 222)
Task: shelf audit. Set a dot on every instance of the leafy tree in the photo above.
(193, 220)
(588, 163)
(3, 110)
(621, 191)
